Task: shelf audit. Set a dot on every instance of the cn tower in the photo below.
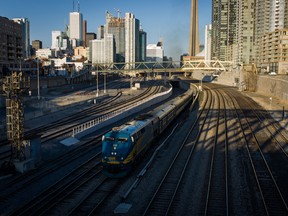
(194, 35)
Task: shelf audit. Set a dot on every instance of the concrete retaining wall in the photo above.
(47, 82)
(275, 86)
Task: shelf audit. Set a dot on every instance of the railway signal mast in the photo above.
(14, 86)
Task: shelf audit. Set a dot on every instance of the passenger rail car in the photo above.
(123, 145)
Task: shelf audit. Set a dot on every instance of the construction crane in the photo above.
(14, 86)
(118, 18)
(118, 13)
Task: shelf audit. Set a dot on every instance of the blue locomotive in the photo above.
(123, 145)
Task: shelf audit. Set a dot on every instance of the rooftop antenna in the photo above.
(73, 6)
(78, 7)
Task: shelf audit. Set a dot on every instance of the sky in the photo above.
(169, 19)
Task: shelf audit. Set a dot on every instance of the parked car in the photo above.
(272, 73)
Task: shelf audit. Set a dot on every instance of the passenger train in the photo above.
(123, 145)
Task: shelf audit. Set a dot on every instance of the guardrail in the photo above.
(87, 125)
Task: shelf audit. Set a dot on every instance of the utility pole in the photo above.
(97, 84)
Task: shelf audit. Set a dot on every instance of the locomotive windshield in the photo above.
(123, 142)
(122, 139)
(109, 139)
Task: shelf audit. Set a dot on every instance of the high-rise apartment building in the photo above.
(11, 44)
(103, 50)
(132, 42)
(277, 14)
(76, 28)
(223, 28)
(233, 30)
(25, 25)
(243, 44)
(261, 25)
(271, 22)
(251, 31)
(274, 52)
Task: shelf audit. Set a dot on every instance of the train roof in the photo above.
(135, 125)
(164, 110)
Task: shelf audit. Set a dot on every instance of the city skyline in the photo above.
(158, 19)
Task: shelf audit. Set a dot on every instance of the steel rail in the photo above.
(215, 163)
(267, 199)
(169, 170)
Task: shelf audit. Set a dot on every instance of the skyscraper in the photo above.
(76, 28)
(132, 42)
(194, 34)
(224, 28)
(25, 25)
(116, 27)
(143, 45)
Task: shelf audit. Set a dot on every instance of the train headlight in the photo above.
(122, 158)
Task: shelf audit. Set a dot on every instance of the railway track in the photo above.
(273, 201)
(21, 183)
(217, 199)
(59, 128)
(94, 110)
(164, 198)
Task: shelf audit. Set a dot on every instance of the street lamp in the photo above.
(97, 87)
(38, 79)
(104, 82)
